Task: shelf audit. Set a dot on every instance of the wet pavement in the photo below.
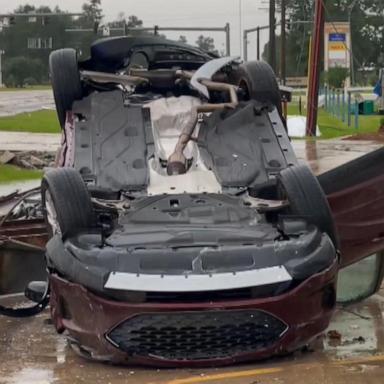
(14, 102)
(322, 155)
(21, 186)
(31, 352)
(26, 141)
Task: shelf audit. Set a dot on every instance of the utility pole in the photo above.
(241, 24)
(351, 58)
(272, 34)
(1, 67)
(283, 57)
(315, 67)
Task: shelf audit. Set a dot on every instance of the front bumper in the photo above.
(94, 324)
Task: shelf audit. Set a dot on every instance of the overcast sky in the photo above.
(178, 13)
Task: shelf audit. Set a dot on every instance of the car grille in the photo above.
(197, 335)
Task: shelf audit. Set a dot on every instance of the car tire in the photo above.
(66, 202)
(65, 79)
(258, 82)
(306, 198)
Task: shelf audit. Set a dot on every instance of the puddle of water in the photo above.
(31, 376)
(323, 155)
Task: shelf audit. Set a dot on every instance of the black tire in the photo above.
(65, 79)
(306, 198)
(258, 82)
(70, 198)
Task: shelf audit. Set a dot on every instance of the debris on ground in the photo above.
(28, 159)
(355, 340)
(6, 157)
(334, 335)
(335, 339)
(36, 161)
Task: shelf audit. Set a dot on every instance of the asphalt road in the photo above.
(14, 102)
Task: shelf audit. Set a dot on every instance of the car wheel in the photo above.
(66, 202)
(306, 198)
(258, 82)
(65, 79)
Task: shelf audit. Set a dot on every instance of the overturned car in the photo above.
(182, 229)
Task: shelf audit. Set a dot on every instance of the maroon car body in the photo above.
(305, 310)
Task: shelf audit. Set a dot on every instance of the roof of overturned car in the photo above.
(182, 227)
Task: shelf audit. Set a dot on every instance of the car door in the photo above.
(355, 192)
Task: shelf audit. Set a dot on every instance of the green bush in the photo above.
(18, 69)
(29, 81)
(335, 77)
(9, 81)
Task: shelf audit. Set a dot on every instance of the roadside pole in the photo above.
(314, 68)
(283, 58)
(1, 67)
(272, 34)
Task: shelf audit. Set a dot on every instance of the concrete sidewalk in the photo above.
(26, 141)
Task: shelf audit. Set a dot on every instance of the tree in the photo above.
(92, 11)
(34, 39)
(130, 22)
(335, 77)
(206, 43)
(183, 39)
(298, 35)
(25, 9)
(90, 19)
(21, 70)
(134, 22)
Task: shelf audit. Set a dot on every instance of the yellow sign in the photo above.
(337, 46)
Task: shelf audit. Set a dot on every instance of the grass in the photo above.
(30, 88)
(44, 121)
(331, 127)
(9, 173)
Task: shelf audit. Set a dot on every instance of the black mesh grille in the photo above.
(197, 335)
